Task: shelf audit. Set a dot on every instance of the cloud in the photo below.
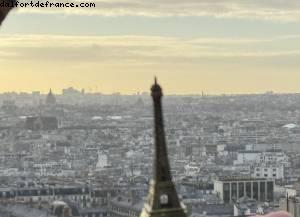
(216, 64)
(275, 10)
(139, 49)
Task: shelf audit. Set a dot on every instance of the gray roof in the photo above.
(22, 211)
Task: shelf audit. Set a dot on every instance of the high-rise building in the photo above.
(162, 199)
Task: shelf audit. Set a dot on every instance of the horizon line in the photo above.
(141, 93)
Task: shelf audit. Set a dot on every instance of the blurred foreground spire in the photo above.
(5, 7)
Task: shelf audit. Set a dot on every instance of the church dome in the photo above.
(50, 100)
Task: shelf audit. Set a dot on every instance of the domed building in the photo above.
(50, 100)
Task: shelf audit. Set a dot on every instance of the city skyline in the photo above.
(97, 90)
(113, 88)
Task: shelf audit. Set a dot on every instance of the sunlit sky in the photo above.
(215, 46)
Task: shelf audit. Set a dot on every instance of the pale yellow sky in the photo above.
(127, 64)
(225, 46)
(175, 78)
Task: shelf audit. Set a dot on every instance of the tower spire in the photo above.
(50, 100)
(162, 199)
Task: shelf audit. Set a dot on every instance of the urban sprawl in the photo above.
(78, 154)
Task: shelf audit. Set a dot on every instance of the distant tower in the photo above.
(162, 200)
(50, 100)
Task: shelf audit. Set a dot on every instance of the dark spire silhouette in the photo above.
(50, 100)
(4, 10)
(162, 199)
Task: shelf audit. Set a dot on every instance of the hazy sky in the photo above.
(218, 46)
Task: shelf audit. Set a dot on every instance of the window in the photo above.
(255, 190)
(234, 191)
(241, 189)
(164, 199)
(270, 191)
(226, 192)
(248, 189)
(262, 191)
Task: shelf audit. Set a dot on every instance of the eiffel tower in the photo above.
(162, 199)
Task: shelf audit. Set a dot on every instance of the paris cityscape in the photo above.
(149, 108)
(91, 154)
